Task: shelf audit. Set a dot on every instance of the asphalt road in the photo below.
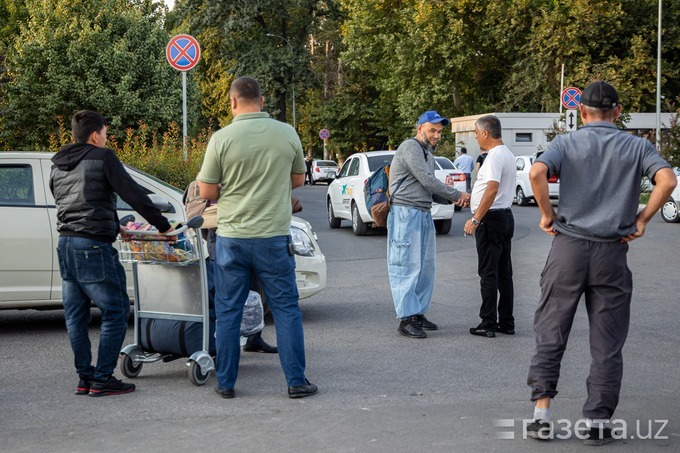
(379, 391)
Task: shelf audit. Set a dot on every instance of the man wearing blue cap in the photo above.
(410, 229)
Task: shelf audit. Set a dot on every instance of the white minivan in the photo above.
(29, 268)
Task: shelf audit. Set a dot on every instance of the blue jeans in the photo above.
(411, 259)
(91, 272)
(269, 260)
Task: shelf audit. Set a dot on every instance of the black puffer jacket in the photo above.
(84, 181)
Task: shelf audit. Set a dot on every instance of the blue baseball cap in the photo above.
(432, 117)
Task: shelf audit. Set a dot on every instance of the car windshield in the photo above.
(375, 162)
(444, 163)
(326, 163)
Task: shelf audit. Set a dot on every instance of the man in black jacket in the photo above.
(85, 179)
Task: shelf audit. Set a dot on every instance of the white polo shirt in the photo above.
(498, 166)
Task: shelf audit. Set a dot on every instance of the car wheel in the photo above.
(358, 226)
(669, 212)
(313, 181)
(442, 226)
(522, 200)
(333, 221)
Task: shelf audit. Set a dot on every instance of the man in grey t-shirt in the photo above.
(600, 168)
(411, 252)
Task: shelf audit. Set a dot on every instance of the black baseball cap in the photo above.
(600, 95)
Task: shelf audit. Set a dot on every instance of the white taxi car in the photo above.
(345, 195)
(29, 268)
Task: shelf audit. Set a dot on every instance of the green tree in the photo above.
(106, 55)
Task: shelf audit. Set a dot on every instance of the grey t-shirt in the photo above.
(600, 169)
(414, 164)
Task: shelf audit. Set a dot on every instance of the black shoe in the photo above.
(411, 327)
(597, 436)
(426, 323)
(482, 331)
(505, 330)
(225, 393)
(83, 387)
(112, 386)
(540, 429)
(255, 343)
(300, 391)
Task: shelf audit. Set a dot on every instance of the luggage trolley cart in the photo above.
(171, 290)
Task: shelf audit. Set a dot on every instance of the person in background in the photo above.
(250, 167)
(85, 178)
(493, 224)
(465, 164)
(308, 163)
(598, 216)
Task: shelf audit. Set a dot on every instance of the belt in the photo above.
(499, 210)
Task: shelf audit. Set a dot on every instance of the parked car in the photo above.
(523, 192)
(345, 195)
(324, 171)
(29, 268)
(670, 211)
(447, 173)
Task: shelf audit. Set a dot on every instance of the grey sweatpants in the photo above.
(600, 271)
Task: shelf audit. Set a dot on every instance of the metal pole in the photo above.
(561, 88)
(184, 113)
(658, 83)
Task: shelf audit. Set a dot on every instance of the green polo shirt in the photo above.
(253, 158)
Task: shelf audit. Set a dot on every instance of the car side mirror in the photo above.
(161, 202)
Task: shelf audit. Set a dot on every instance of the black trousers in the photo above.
(494, 239)
(598, 270)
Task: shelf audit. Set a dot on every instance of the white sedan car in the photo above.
(29, 269)
(523, 192)
(447, 173)
(670, 211)
(345, 195)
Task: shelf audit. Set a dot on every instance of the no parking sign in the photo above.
(183, 52)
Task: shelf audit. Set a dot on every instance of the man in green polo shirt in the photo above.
(250, 167)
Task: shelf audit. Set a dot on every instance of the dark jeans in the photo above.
(600, 271)
(468, 182)
(237, 260)
(90, 271)
(494, 239)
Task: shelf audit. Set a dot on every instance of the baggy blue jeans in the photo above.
(411, 259)
(91, 272)
(269, 260)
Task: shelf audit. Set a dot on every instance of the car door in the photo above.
(341, 189)
(352, 187)
(26, 241)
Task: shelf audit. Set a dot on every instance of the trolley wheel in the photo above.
(128, 367)
(196, 376)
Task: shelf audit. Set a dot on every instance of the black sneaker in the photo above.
(505, 330)
(426, 323)
(411, 327)
(83, 387)
(225, 393)
(597, 436)
(112, 386)
(481, 331)
(540, 429)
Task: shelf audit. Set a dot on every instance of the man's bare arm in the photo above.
(297, 180)
(209, 191)
(665, 181)
(538, 175)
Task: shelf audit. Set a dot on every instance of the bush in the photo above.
(161, 156)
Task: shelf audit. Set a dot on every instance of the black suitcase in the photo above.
(180, 338)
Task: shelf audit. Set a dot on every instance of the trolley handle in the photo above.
(194, 222)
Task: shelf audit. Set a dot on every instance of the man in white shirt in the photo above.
(493, 225)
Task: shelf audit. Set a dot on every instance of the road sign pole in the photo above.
(184, 114)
